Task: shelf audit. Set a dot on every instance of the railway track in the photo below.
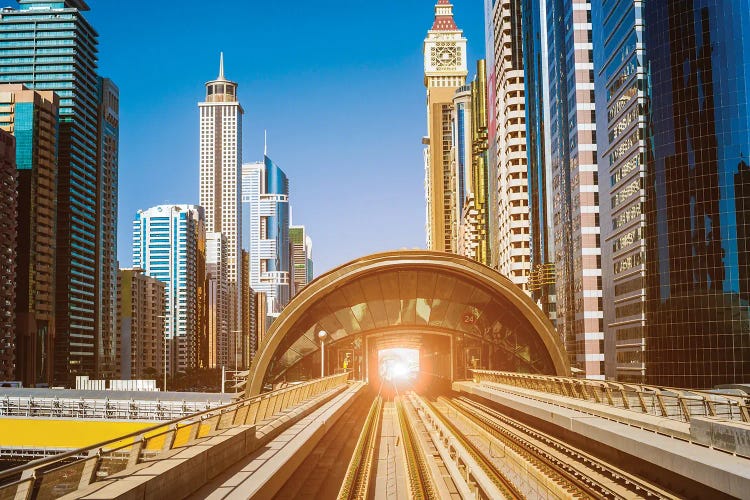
(357, 482)
(578, 473)
(420, 481)
(506, 487)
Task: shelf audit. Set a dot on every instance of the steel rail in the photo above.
(359, 473)
(420, 481)
(540, 449)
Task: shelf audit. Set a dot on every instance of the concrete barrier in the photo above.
(686, 468)
(733, 437)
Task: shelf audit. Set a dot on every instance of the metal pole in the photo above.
(223, 377)
(322, 357)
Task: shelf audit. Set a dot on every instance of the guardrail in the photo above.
(90, 408)
(59, 475)
(677, 404)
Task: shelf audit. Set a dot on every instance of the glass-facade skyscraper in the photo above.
(49, 45)
(697, 186)
(620, 105)
(541, 281)
(575, 184)
(265, 197)
(108, 268)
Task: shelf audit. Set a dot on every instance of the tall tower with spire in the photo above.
(445, 71)
(220, 185)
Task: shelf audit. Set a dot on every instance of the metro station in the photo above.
(415, 374)
(456, 313)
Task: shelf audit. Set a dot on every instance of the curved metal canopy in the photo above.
(412, 291)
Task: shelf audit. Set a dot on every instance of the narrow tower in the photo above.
(220, 179)
(444, 71)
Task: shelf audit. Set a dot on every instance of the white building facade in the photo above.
(165, 246)
(513, 237)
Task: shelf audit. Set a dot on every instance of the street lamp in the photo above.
(322, 335)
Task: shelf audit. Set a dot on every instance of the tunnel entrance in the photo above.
(398, 364)
(426, 358)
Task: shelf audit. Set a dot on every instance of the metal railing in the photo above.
(89, 408)
(59, 475)
(676, 404)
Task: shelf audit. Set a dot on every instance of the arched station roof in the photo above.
(412, 291)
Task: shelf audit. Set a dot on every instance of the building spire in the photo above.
(221, 66)
(444, 17)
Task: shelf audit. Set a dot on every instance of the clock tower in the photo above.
(445, 70)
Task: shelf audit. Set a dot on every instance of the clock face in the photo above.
(445, 56)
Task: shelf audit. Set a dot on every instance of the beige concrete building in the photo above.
(512, 247)
(221, 179)
(31, 115)
(444, 71)
(140, 324)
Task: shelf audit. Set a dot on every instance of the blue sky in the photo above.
(336, 83)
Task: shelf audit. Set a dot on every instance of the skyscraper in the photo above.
(218, 300)
(166, 242)
(31, 116)
(510, 163)
(478, 204)
(465, 222)
(301, 255)
(444, 71)
(51, 46)
(221, 178)
(8, 206)
(248, 331)
(108, 141)
(265, 193)
(470, 172)
(541, 281)
(492, 146)
(575, 184)
(697, 187)
(620, 106)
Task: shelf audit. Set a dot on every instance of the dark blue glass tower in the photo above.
(698, 193)
(536, 80)
(277, 189)
(620, 102)
(49, 45)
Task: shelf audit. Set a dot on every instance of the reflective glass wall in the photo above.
(698, 192)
